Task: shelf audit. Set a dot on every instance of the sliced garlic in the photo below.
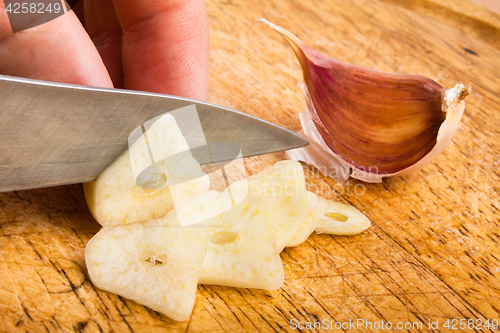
(339, 219)
(276, 206)
(157, 265)
(117, 198)
(282, 191)
(306, 228)
(244, 257)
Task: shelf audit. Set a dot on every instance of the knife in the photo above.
(55, 133)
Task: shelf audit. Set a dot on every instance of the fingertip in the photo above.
(165, 46)
(5, 28)
(59, 50)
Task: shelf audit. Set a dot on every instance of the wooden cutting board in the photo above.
(433, 251)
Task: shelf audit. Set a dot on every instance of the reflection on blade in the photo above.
(161, 156)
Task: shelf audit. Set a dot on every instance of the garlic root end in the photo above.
(454, 96)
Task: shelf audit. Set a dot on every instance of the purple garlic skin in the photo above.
(377, 123)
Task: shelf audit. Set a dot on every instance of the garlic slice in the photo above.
(115, 197)
(243, 257)
(276, 207)
(306, 228)
(157, 265)
(282, 192)
(339, 219)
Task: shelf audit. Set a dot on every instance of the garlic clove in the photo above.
(339, 219)
(378, 124)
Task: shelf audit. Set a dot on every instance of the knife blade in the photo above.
(55, 133)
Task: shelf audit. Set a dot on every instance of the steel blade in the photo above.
(54, 133)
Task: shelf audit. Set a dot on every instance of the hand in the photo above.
(154, 45)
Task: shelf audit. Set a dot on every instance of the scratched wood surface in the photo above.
(433, 251)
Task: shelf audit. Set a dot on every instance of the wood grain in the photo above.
(433, 252)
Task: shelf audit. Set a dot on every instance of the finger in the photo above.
(104, 29)
(5, 28)
(59, 50)
(165, 46)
